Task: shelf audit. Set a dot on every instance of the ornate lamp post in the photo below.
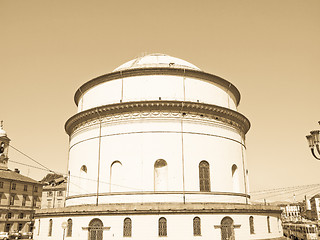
(314, 140)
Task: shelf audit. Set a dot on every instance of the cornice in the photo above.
(233, 194)
(158, 71)
(157, 208)
(217, 113)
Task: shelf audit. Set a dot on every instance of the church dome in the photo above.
(156, 60)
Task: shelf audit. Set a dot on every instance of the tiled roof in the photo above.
(316, 196)
(11, 175)
(61, 186)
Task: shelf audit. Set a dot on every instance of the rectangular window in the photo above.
(49, 203)
(60, 194)
(1, 184)
(8, 226)
(25, 188)
(12, 197)
(34, 202)
(9, 215)
(49, 194)
(59, 203)
(35, 189)
(20, 227)
(13, 186)
(21, 215)
(24, 200)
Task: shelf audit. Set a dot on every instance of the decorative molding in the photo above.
(160, 192)
(159, 108)
(158, 71)
(158, 208)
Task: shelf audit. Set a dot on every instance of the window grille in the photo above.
(196, 226)
(50, 228)
(227, 229)
(162, 227)
(204, 176)
(251, 223)
(268, 223)
(95, 229)
(69, 228)
(127, 227)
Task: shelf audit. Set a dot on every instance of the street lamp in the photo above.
(314, 140)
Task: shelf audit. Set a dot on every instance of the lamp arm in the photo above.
(312, 151)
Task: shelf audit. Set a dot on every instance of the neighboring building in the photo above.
(54, 192)
(291, 212)
(306, 209)
(19, 195)
(315, 207)
(157, 150)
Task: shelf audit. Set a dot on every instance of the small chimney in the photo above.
(17, 170)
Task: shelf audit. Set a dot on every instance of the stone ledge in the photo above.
(217, 113)
(156, 208)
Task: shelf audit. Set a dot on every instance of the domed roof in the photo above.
(156, 60)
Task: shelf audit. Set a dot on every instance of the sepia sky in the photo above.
(269, 49)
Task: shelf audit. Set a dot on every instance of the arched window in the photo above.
(227, 229)
(160, 175)
(50, 228)
(162, 227)
(235, 178)
(69, 228)
(196, 226)
(268, 223)
(95, 229)
(251, 223)
(116, 177)
(83, 180)
(84, 168)
(127, 227)
(204, 176)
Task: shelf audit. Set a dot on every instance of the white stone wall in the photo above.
(139, 142)
(153, 87)
(178, 227)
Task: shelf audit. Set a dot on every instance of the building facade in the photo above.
(291, 212)
(315, 207)
(20, 196)
(157, 149)
(54, 193)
